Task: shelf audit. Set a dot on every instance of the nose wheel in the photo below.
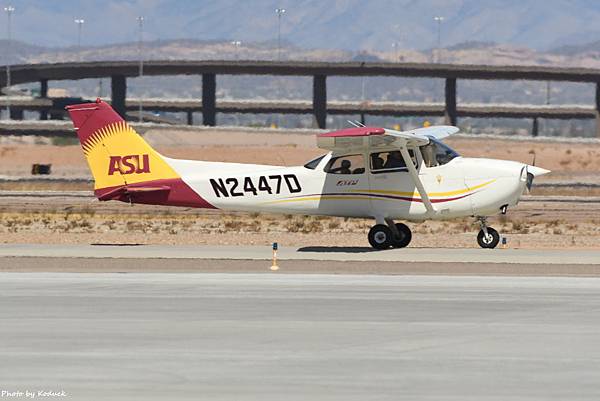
(392, 235)
(487, 238)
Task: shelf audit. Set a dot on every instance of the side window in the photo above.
(387, 162)
(350, 164)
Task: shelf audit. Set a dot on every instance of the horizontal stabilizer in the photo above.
(131, 190)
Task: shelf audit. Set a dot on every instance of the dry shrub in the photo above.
(333, 224)
(232, 225)
(295, 225)
(304, 225)
(254, 226)
(465, 227)
(134, 226)
(313, 226)
(519, 227)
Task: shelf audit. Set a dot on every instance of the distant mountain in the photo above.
(19, 51)
(332, 24)
(571, 50)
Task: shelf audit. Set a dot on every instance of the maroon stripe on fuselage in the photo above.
(179, 194)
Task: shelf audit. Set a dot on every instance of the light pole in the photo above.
(439, 21)
(236, 44)
(9, 10)
(280, 12)
(79, 22)
(397, 33)
(140, 21)
(395, 46)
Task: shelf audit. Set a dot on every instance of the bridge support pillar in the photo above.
(535, 130)
(209, 99)
(450, 110)
(44, 94)
(44, 88)
(320, 100)
(16, 114)
(598, 109)
(190, 117)
(118, 86)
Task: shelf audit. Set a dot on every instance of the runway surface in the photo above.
(345, 254)
(299, 337)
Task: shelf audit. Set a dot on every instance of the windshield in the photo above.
(437, 153)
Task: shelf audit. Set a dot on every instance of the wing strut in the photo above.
(415, 176)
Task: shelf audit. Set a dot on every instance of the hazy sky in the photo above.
(348, 24)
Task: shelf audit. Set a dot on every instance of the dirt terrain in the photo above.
(532, 224)
(535, 223)
(566, 160)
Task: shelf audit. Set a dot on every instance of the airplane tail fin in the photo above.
(116, 154)
(124, 166)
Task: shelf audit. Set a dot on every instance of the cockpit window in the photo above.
(314, 163)
(349, 164)
(437, 153)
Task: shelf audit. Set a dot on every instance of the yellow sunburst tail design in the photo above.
(116, 154)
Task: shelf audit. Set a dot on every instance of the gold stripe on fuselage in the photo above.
(430, 194)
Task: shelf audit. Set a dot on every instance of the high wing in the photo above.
(360, 138)
(374, 137)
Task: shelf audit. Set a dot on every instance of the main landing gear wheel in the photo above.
(404, 236)
(490, 240)
(380, 236)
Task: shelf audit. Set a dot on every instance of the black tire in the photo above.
(405, 236)
(380, 236)
(491, 242)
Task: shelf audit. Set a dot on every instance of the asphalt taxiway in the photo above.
(298, 337)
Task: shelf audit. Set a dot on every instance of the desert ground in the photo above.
(541, 221)
(567, 160)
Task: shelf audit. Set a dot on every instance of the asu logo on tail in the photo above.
(130, 164)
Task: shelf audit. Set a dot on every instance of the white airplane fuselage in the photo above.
(462, 187)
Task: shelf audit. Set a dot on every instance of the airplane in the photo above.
(368, 172)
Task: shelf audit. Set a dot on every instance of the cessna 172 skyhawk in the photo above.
(369, 172)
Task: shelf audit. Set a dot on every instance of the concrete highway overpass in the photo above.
(119, 71)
